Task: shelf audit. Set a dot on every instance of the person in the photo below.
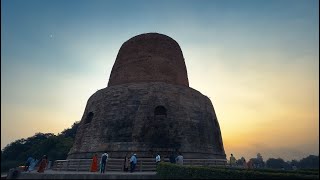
(172, 158)
(103, 162)
(232, 160)
(43, 164)
(133, 162)
(158, 158)
(94, 163)
(179, 159)
(29, 160)
(126, 163)
(33, 165)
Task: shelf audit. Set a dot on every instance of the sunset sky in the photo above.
(258, 62)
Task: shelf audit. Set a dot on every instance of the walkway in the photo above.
(50, 174)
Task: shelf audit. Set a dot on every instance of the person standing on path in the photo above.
(158, 159)
(94, 163)
(172, 158)
(179, 159)
(133, 162)
(232, 161)
(126, 163)
(43, 164)
(103, 162)
(29, 160)
(33, 165)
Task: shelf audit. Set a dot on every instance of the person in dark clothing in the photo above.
(103, 162)
(172, 158)
(126, 163)
(133, 162)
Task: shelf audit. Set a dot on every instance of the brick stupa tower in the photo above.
(149, 107)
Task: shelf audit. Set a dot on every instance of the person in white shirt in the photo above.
(158, 159)
(179, 159)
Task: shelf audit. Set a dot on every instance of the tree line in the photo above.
(309, 162)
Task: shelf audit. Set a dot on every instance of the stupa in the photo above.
(149, 107)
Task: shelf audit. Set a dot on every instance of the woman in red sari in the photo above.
(94, 163)
(43, 164)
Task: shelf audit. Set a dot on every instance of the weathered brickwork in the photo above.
(155, 114)
(149, 58)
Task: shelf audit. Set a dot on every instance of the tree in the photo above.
(71, 132)
(276, 163)
(55, 147)
(311, 161)
(260, 162)
(239, 162)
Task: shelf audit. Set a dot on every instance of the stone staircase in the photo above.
(143, 164)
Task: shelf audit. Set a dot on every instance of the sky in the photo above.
(256, 60)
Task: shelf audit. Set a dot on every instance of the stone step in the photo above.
(148, 164)
(88, 175)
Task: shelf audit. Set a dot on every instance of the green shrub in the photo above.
(299, 171)
(6, 165)
(173, 171)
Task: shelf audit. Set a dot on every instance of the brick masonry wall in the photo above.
(124, 121)
(150, 57)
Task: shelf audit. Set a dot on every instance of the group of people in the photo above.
(104, 159)
(246, 165)
(102, 164)
(31, 164)
(132, 162)
(176, 159)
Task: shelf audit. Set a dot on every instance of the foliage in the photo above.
(70, 132)
(55, 147)
(258, 161)
(240, 161)
(311, 161)
(276, 163)
(173, 171)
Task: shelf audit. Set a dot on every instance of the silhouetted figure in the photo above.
(172, 158)
(232, 161)
(43, 164)
(126, 163)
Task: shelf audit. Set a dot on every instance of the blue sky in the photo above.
(257, 60)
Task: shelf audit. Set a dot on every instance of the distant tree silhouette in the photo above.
(294, 163)
(239, 162)
(276, 163)
(311, 161)
(258, 161)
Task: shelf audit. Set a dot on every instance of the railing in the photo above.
(143, 164)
